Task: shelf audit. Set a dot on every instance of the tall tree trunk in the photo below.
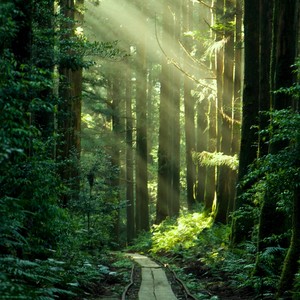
(219, 11)
(212, 113)
(201, 145)
(265, 39)
(68, 151)
(285, 25)
(224, 192)
(142, 198)
(77, 83)
(130, 208)
(210, 180)
(115, 92)
(237, 100)
(175, 82)
(189, 112)
(164, 174)
(248, 149)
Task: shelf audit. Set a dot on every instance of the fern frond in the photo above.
(213, 159)
(270, 251)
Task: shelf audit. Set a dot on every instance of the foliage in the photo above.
(52, 278)
(277, 172)
(7, 24)
(73, 48)
(24, 279)
(142, 243)
(18, 100)
(277, 175)
(98, 204)
(227, 27)
(205, 158)
(175, 235)
(196, 249)
(45, 250)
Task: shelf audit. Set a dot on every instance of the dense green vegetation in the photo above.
(116, 139)
(47, 251)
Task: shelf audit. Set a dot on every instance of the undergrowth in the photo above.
(200, 254)
(174, 236)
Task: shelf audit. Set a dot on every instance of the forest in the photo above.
(160, 127)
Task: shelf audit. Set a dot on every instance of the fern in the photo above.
(174, 235)
(25, 279)
(215, 159)
(270, 251)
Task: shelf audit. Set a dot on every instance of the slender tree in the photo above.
(224, 191)
(164, 184)
(69, 116)
(265, 95)
(219, 66)
(77, 81)
(237, 100)
(212, 113)
(189, 110)
(115, 97)
(142, 197)
(201, 145)
(129, 155)
(175, 82)
(210, 181)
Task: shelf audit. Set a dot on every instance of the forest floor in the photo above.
(209, 285)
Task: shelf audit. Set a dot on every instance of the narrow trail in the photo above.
(155, 285)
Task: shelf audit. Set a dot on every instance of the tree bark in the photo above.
(189, 113)
(115, 92)
(201, 145)
(130, 208)
(212, 115)
(237, 98)
(68, 118)
(224, 190)
(142, 198)
(175, 82)
(248, 149)
(265, 39)
(285, 34)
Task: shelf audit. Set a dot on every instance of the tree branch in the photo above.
(205, 4)
(177, 65)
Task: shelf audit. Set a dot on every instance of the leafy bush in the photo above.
(175, 235)
(45, 250)
(24, 279)
(142, 243)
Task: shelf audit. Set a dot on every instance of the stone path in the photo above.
(155, 285)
